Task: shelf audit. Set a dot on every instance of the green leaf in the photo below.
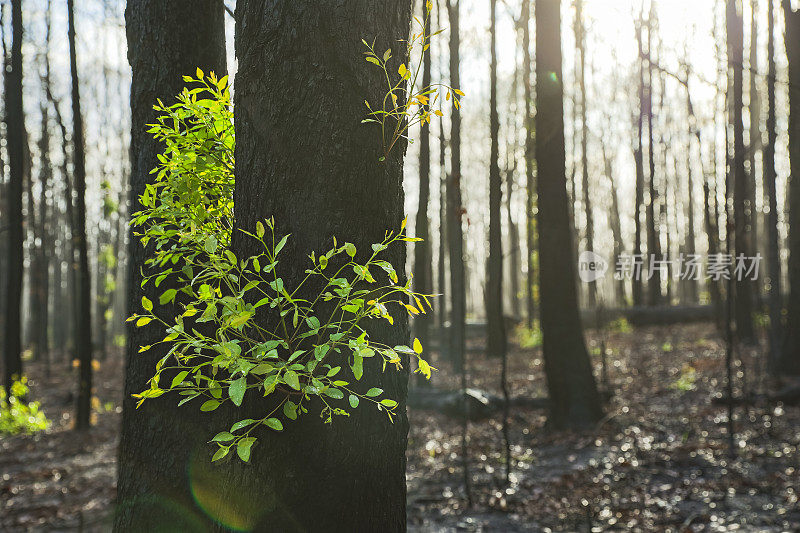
(334, 393)
(237, 389)
(222, 436)
(353, 401)
(147, 304)
(167, 296)
(291, 379)
(274, 423)
(243, 448)
(178, 379)
(358, 366)
(222, 452)
(209, 405)
(374, 391)
(211, 244)
(259, 229)
(270, 383)
(143, 321)
(388, 403)
(242, 423)
(281, 244)
(350, 249)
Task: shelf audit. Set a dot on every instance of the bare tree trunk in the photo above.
(573, 392)
(744, 286)
(496, 342)
(790, 356)
(15, 128)
(422, 252)
(615, 222)
(691, 247)
(755, 144)
(455, 235)
(773, 239)
(84, 330)
(637, 283)
(530, 200)
(580, 38)
(653, 241)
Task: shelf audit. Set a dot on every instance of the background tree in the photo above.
(84, 330)
(743, 297)
(775, 296)
(496, 336)
(790, 356)
(574, 401)
(15, 129)
(580, 39)
(530, 149)
(423, 256)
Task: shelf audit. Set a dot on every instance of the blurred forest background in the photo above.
(677, 143)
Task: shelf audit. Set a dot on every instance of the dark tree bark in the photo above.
(690, 244)
(743, 294)
(653, 239)
(41, 287)
(571, 385)
(84, 329)
(423, 271)
(70, 247)
(455, 239)
(615, 221)
(790, 356)
(580, 38)
(754, 140)
(637, 283)
(15, 130)
(530, 149)
(496, 335)
(441, 274)
(773, 239)
(455, 231)
(40, 277)
(160, 459)
(293, 55)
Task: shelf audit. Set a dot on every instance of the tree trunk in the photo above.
(773, 239)
(42, 265)
(496, 342)
(455, 210)
(615, 221)
(441, 274)
(571, 385)
(423, 282)
(743, 293)
(754, 109)
(653, 240)
(580, 37)
(84, 330)
(691, 248)
(161, 467)
(637, 283)
(293, 56)
(15, 130)
(530, 200)
(790, 356)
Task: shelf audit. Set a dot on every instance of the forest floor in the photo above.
(659, 461)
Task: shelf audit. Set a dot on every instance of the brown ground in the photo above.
(658, 462)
